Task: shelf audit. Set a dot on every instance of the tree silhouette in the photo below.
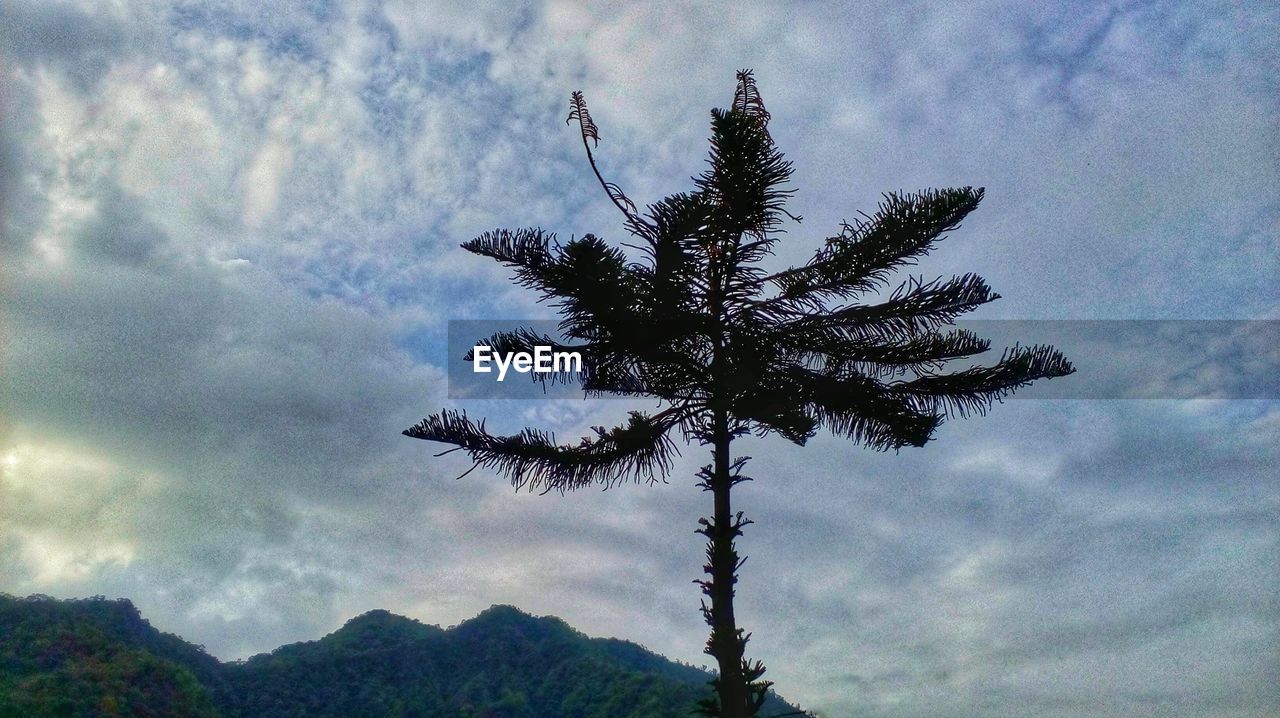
(727, 348)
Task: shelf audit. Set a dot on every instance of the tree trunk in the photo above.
(726, 643)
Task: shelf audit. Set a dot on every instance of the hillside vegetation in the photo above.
(99, 657)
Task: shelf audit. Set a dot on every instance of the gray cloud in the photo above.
(80, 42)
(229, 241)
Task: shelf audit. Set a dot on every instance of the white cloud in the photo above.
(262, 182)
(225, 220)
(67, 512)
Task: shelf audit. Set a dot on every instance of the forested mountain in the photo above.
(99, 657)
(95, 657)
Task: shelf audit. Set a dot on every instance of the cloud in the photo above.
(229, 246)
(966, 575)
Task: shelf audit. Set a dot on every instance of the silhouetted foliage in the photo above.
(727, 348)
(100, 658)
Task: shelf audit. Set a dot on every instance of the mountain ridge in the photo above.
(98, 656)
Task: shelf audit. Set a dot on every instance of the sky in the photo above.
(230, 253)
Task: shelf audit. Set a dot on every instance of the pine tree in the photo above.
(728, 349)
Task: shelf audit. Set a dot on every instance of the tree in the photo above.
(728, 349)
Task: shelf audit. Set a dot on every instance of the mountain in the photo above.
(99, 657)
(96, 657)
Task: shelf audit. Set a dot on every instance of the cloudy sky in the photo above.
(229, 254)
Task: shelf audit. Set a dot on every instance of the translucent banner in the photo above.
(1114, 359)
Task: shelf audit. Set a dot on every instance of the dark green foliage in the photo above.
(503, 663)
(100, 658)
(96, 658)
